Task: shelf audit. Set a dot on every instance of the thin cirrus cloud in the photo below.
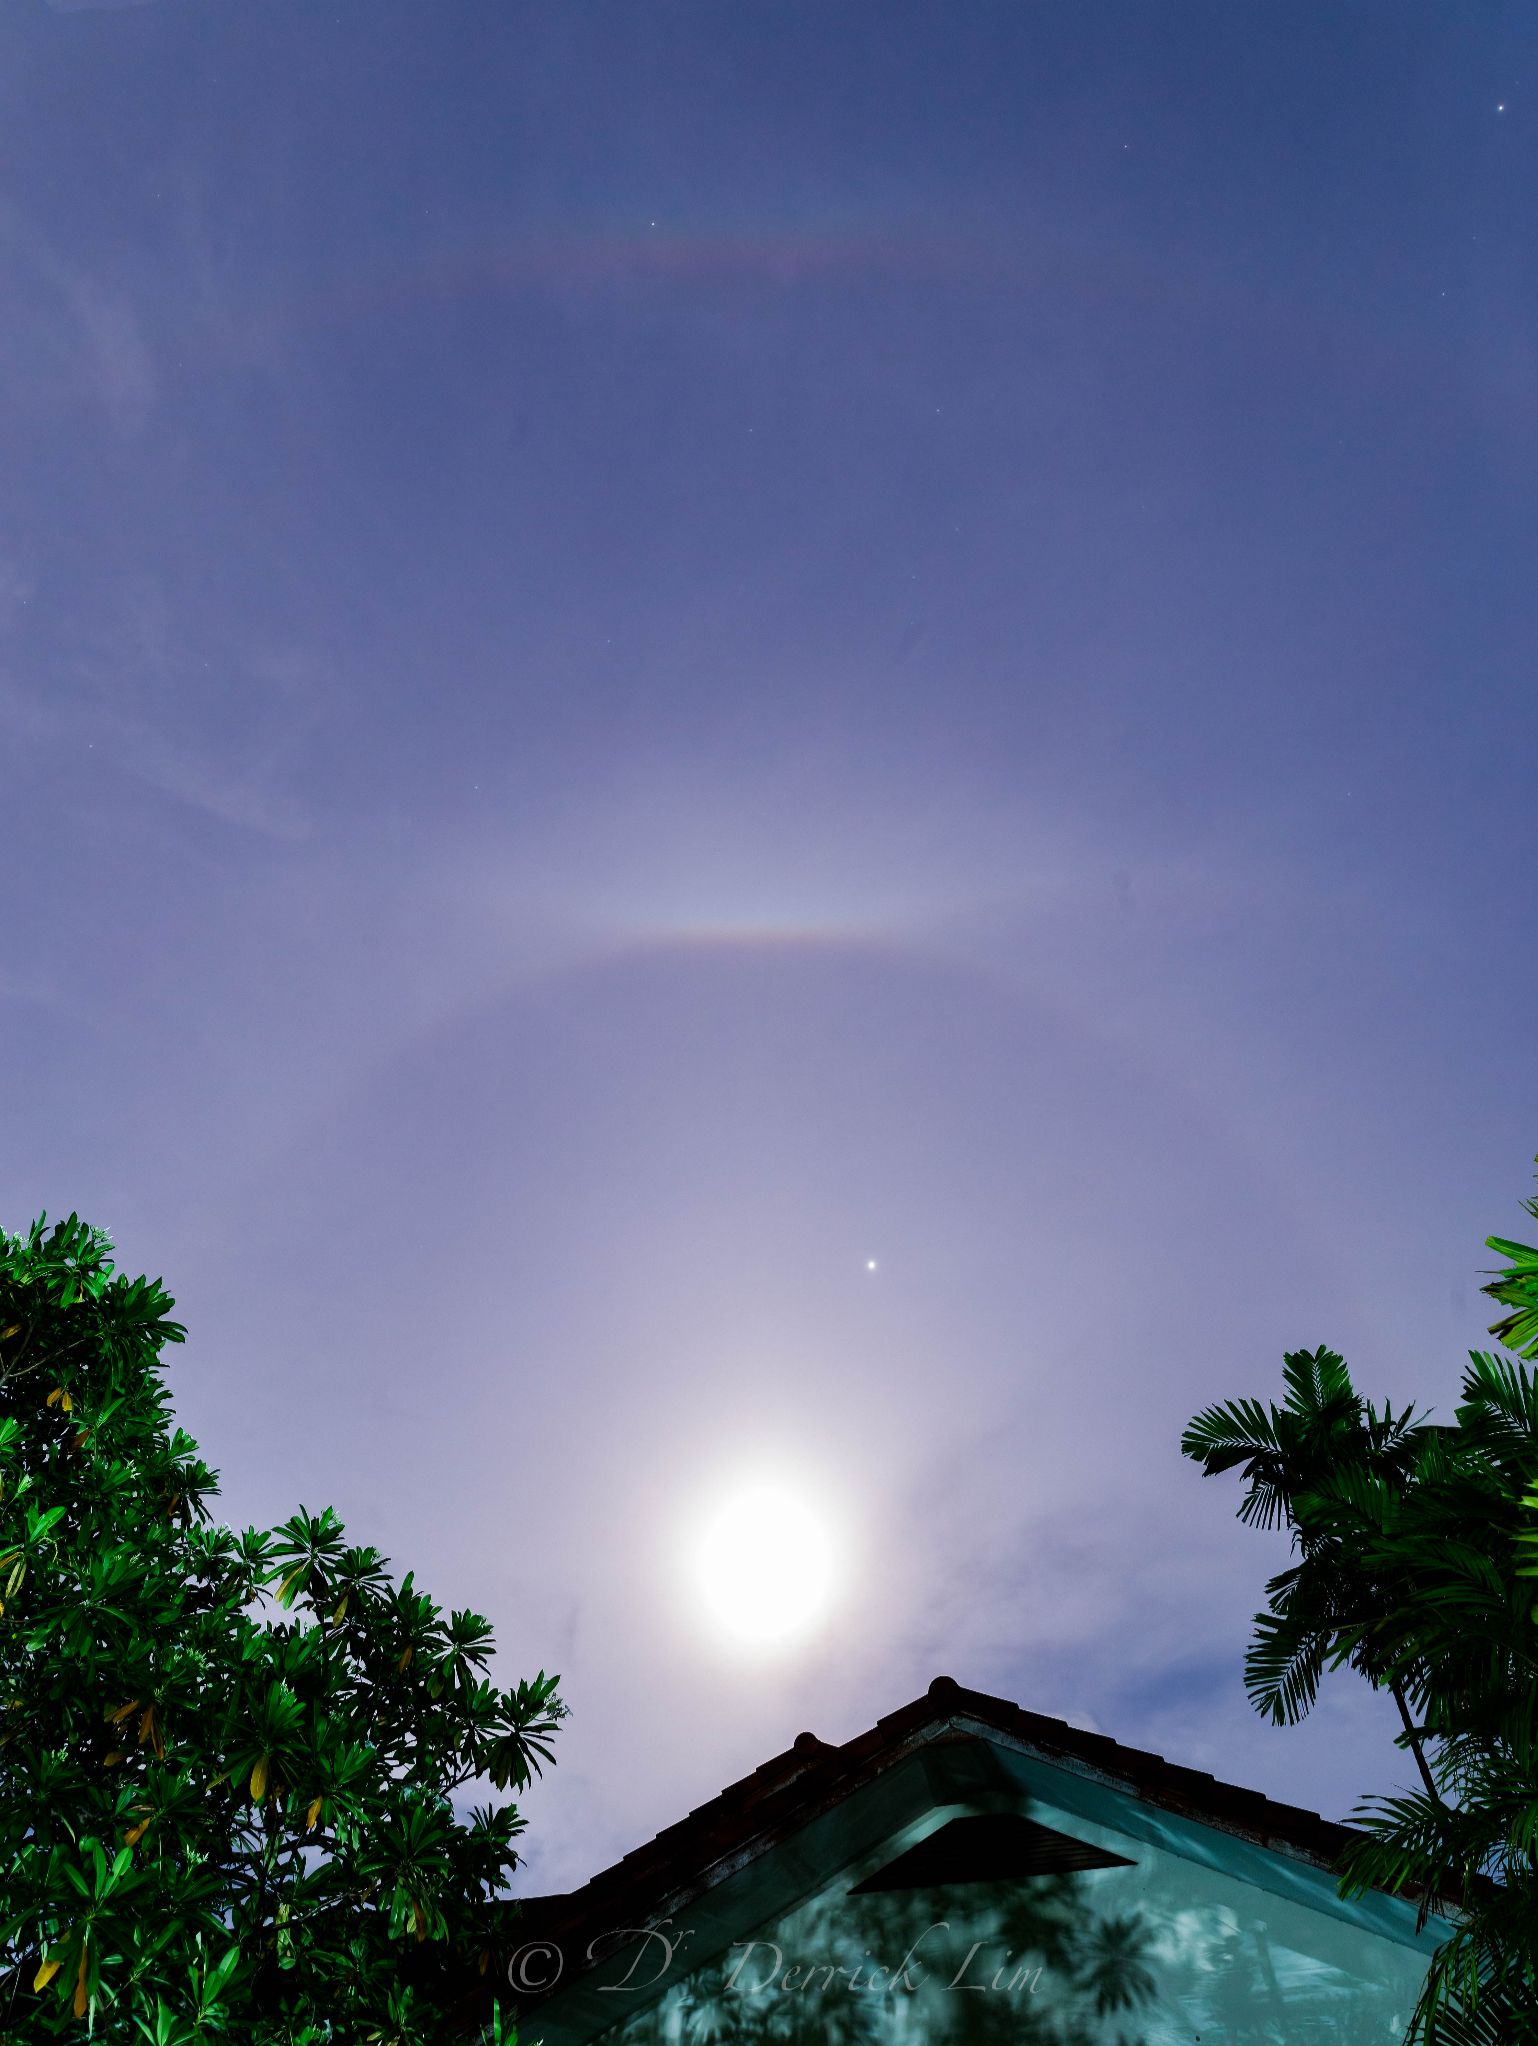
(73, 333)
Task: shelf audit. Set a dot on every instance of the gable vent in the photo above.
(990, 1847)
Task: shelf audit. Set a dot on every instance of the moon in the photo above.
(765, 1565)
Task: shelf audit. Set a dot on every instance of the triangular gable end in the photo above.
(1133, 1921)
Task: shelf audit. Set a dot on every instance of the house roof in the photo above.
(811, 1776)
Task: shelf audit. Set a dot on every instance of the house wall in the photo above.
(1207, 1939)
(1160, 1954)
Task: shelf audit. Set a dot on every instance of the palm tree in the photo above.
(1462, 1542)
(1323, 1433)
(1415, 1544)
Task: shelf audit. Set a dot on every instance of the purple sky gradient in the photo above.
(652, 650)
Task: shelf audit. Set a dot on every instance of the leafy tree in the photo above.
(1415, 1544)
(225, 1760)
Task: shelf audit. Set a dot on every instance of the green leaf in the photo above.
(127, 1601)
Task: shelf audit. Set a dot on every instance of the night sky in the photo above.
(652, 652)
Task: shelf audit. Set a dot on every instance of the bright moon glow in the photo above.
(765, 1567)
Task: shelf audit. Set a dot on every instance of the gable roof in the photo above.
(781, 1796)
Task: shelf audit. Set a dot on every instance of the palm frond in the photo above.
(1226, 1435)
(1284, 1663)
(1500, 1406)
(1515, 1287)
(1319, 1385)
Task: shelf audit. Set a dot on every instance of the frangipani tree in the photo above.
(226, 1760)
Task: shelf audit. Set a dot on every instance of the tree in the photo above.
(1415, 1544)
(225, 1760)
(1322, 1432)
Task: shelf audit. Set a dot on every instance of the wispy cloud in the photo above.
(16, 587)
(124, 687)
(195, 781)
(138, 749)
(82, 322)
